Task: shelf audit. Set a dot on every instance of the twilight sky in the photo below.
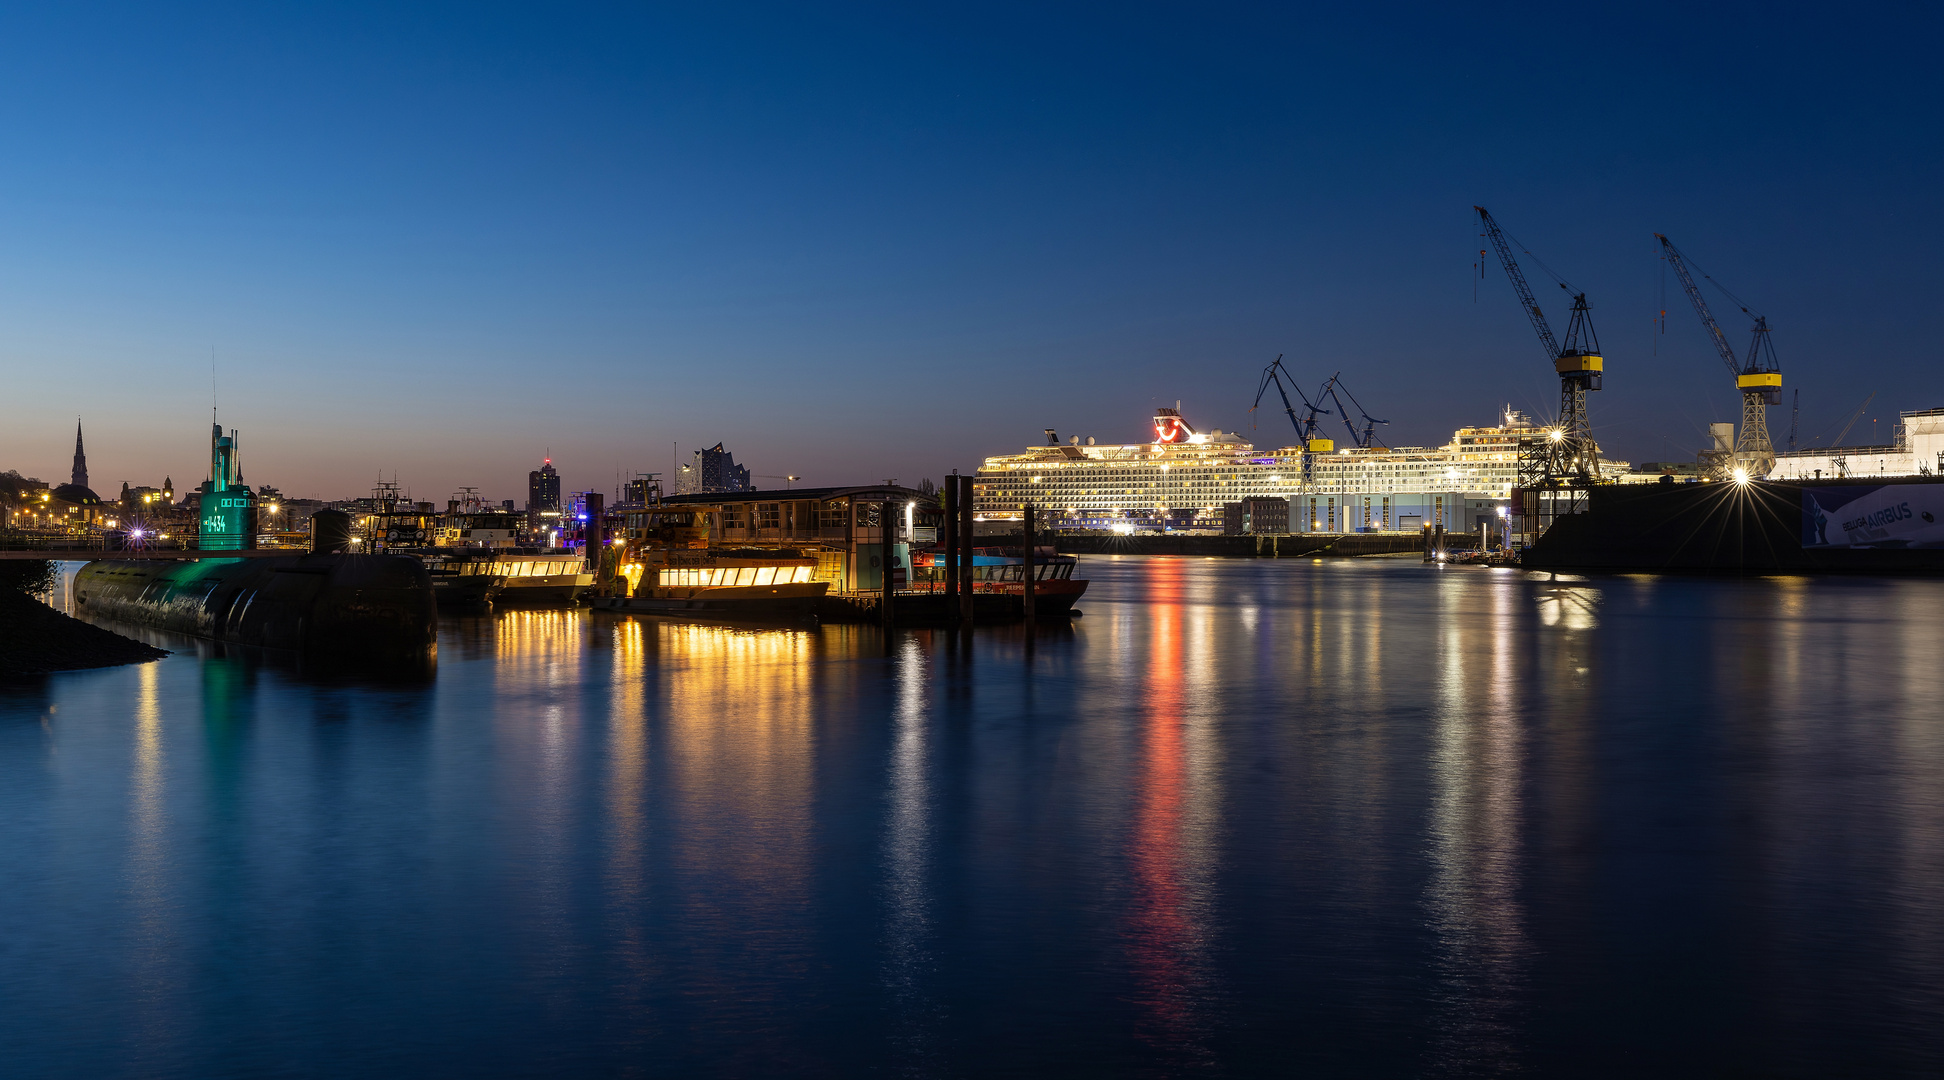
(865, 242)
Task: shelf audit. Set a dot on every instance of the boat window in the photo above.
(746, 575)
(766, 575)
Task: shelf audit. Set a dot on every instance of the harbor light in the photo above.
(1556, 435)
(1741, 476)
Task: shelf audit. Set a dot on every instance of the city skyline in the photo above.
(862, 244)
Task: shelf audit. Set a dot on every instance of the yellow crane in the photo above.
(1758, 378)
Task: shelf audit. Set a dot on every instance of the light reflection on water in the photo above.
(1242, 817)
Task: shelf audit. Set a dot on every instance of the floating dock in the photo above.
(1887, 526)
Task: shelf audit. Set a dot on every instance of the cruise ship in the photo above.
(1182, 478)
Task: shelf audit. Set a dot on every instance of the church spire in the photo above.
(80, 457)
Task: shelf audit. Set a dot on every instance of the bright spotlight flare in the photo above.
(1758, 378)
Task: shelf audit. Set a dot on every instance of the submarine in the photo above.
(326, 602)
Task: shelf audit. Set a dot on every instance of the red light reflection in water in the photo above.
(1166, 924)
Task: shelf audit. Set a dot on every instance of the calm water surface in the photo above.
(1245, 817)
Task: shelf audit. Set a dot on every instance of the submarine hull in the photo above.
(354, 606)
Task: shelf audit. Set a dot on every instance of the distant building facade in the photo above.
(713, 472)
(1256, 517)
(543, 489)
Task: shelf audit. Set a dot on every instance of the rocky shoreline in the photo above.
(37, 640)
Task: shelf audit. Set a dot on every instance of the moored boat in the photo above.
(476, 577)
(704, 584)
(1002, 570)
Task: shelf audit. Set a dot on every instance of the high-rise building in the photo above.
(713, 471)
(543, 489)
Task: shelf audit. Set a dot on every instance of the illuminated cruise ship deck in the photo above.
(1182, 478)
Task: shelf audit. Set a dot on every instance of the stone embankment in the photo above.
(36, 640)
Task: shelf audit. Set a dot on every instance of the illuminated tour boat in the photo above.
(508, 578)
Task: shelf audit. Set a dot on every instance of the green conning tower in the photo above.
(228, 512)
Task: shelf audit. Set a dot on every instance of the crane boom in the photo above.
(1530, 302)
(1854, 417)
(1700, 302)
(1307, 440)
(1305, 427)
(1759, 379)
(1365, 439)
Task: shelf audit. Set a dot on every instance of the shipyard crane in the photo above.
(1759, 377)
(1364, 439)
(1308, 441)
(1567, 457)
(1273, 375)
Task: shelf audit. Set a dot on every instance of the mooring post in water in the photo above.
(887, 532)
(1027, 570)
(965, 551)
(595, 543)
(950, 494)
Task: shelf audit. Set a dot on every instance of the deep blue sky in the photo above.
(857, 243)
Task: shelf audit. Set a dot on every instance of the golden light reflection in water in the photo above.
(908, 959)
(531, 638)
(738, 762)
(1570, 607)
(148, 856)
(709, 737)
(626, 809)
(1475, 826)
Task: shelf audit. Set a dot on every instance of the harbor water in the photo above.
(1246, 817)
